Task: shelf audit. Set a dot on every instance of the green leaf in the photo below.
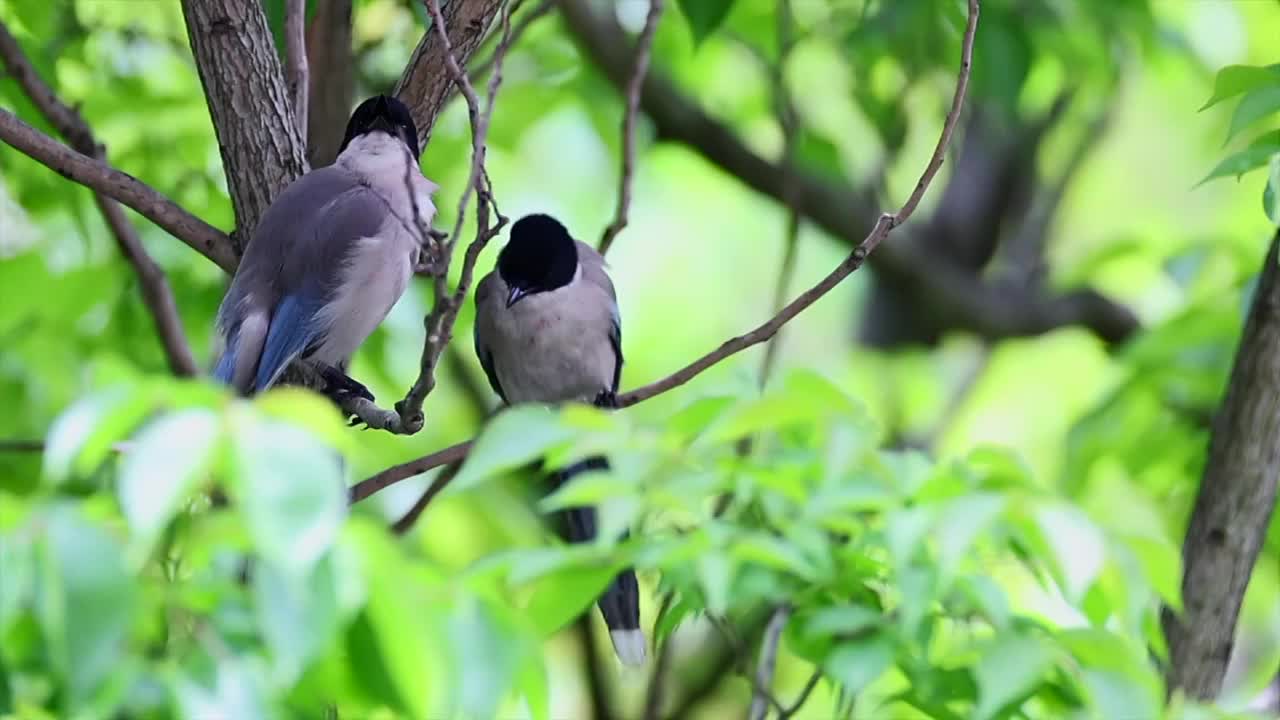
(487, 659)
(1256, 105)
(715, 573)
(772, 552)
(1271, 194)
(297, 616)
(238, 692)
(1234, 80)
(1260, 152)
(704, 16)
(842, 620)
(81, 438)
(1076, 543)
(1161, 563)
(857, 664)
(561, 596)
(1009, 668)
(516, 436)
(87, 601)
(959, 525)
(169, 456)
(291, 489)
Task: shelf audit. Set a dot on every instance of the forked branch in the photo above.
(883, 226)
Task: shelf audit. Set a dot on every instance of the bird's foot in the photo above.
(607, 399)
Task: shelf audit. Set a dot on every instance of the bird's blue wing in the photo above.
(294, 330)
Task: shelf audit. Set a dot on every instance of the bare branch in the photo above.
(422, 86)
(480, 69)
(881, 230)
(126, 189)
(405, 523)
(789, 122)
(768, 661)
(1237, 497)
(297, 75)
(960, 298)
(396, 473)
(803, 697)
(641, 66)
(156, 294)
(439, 323)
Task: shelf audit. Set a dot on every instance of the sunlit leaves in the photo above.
(514, 437)
(1010, 667)
(1234, 80)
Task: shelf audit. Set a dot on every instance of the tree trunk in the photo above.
(262, 150)
(1237, 496)
(332, 79)
(425, 85)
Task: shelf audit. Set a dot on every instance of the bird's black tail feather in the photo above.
(620, 602)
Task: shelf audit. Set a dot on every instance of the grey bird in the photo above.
(548, 330)
(329, 258)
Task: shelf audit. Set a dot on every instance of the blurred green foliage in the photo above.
(1013, 569)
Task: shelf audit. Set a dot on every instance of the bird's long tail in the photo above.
(620, 602)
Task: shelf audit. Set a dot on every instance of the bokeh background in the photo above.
(1121, 427)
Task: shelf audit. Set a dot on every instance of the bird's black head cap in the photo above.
(385, 113)
(540, 256)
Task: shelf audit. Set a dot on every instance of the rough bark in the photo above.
(425, 87)
(332, 79)
(262, 150)
(1237, 496)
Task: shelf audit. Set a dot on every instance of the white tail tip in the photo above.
(629, 645)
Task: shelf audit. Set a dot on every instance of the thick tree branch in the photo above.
(126, 189)
(155, 287)
(883, 226)
(262, 148)
(297, 78)
(423, 87)
(331, 70)
(964, 300)
(634, 83)
(1237, 497)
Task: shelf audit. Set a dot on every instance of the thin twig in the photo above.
(803, 697)
(643, 46)
(884, 225)
(789, 121)
(297, 74)
(478, 70)
(21, 446)
(406, 522)
(439, 323)
(768, 662)
(126, 189)
(156, 294)
(655, 694)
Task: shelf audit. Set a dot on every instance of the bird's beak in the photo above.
(515, 295)
(382, 123)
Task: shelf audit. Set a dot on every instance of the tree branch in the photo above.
(636, 81)
(298, 77)
(479, 69)
(439, 323)
(768, 661)
(331, 71)
(422, 86)
(156, 294)
(126, 189)
(884, 225)
(965, 302)
(1237, 495)
(253, 118)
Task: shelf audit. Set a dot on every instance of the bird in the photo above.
(330, 257)
(548, 330)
